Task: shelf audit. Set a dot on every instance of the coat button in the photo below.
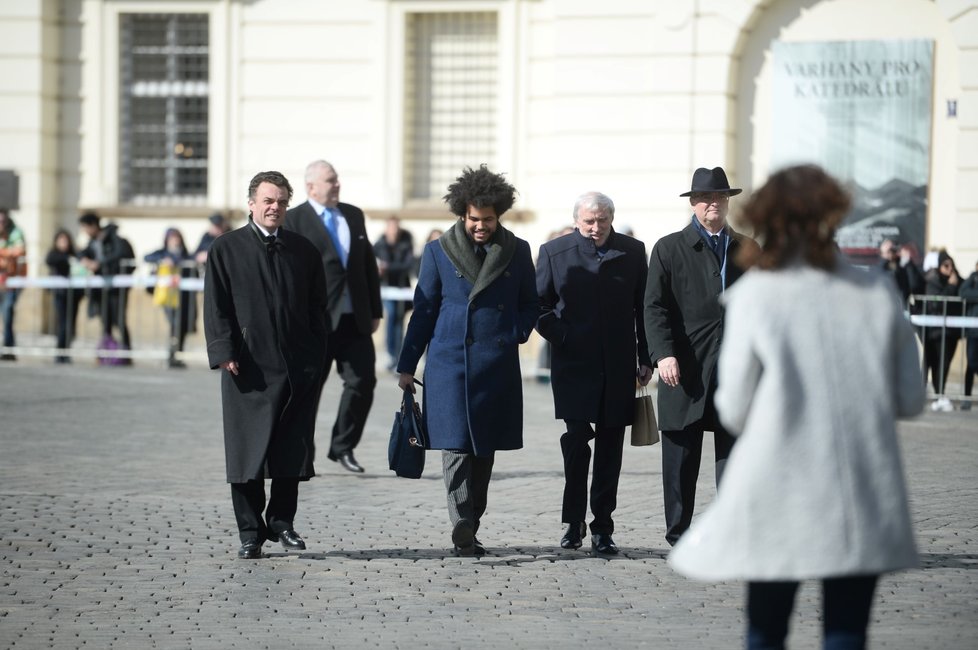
(716, 274)
(469, 341)
(500, 307)
(472, 306)
(499, 343)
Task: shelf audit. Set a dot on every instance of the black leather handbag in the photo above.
(405, 452)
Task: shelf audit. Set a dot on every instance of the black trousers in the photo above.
(846, 605)
(574, 444)
(972, 364)
(355, 358)
(248, 500)
(939, 365)
(114, 314)
(66, 302)
(681, 455)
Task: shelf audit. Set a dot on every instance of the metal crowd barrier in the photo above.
(153, 342)
(946, 323)
(150, 330)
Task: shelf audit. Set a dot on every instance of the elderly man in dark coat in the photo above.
(474, 305)
(265, 324)
(591, 284)
(688, 272)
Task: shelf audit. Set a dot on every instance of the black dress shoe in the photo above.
(250, 550)
(574, 537)
(289, 539)
(463, 538)
(478, 549)
(349, 462)
(603, 544)
(475, 549)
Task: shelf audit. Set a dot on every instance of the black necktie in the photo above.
(716, 243)
(271, 244)
(480, 252)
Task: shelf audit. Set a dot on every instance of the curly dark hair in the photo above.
(481, 188)
(275, 178)
(795, 215)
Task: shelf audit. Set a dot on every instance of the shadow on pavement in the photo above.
(948, 561)
(495, 555)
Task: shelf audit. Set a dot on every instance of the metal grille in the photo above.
(164, 108)
(451, 76)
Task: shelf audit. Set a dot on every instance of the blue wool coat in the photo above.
(473, 392)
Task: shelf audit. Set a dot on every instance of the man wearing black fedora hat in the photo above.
(688, 272)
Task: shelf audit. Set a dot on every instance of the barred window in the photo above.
(451, 74)
(164, 105)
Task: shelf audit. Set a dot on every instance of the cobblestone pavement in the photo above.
(118, 533)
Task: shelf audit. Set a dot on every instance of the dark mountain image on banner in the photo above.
(895, 210)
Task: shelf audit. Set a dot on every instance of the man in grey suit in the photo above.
(688, 272)
(338, 231)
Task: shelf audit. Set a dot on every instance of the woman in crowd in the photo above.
(12, 264)
(940, 343)
(173, 262)
(62, 259)
(816, 364)
(969, 291)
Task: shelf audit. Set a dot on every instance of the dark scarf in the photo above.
(461, 253)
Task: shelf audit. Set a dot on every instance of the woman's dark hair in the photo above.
(174, 231)
(794, 216)
(481, 188)
(71, 241)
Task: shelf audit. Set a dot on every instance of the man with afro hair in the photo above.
(474, 304)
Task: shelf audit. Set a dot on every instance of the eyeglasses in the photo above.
(711, 197)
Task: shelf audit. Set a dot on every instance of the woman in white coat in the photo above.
(817, 363)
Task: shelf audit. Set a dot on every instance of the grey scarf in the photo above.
(459, 249)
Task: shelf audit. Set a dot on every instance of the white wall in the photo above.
(622, 96)
(28, 112)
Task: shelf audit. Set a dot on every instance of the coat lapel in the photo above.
(694, 240)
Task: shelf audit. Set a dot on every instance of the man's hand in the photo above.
(406, 382)
(669, 371)
(375, 324)
(231, 366)
(644, 375)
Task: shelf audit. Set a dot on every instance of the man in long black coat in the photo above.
(264, 320)
(338, 232)
(688, 272)
(591, 284)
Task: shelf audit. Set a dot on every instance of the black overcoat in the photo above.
(591, 312)
(267, 311)
(684, 319)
